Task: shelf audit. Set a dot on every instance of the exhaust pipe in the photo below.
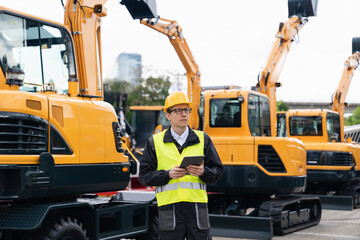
(140, 9)
(302, 8)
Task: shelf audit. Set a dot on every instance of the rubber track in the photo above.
(274, 208)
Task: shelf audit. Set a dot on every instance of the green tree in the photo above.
(349, 121)
(115, 91)
(355, 118)
(117, 86)
(152, 92)
(281, 106)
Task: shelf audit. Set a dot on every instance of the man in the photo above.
(180, 193)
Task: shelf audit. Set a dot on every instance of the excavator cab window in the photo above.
(281, 125)
(305, 126)
(201, 112)
(43, 52)
(225, 112)
(333, 125)
(259, 115)
(165, 123)
(143, 130)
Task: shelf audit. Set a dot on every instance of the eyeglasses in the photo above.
(179, 111)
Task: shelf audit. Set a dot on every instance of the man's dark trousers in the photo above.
(186, 224)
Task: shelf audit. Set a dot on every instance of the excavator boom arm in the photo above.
(268, 77)
(338, 103)
(174, 32)
(82, 18)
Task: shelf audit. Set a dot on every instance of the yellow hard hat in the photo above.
(176, 98)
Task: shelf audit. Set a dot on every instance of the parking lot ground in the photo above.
(334, 225)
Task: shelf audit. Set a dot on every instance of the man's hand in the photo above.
(177, 172)
(195, 170)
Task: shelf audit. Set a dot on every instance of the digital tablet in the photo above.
(192, 160)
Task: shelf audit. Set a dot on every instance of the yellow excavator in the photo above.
(59, 141)
(52, 106)
(333, 162)
(257, 164)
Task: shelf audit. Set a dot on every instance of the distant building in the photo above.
(129, 67)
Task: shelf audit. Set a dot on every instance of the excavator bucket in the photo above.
(302, 8)
(356, 44)
(140, 9)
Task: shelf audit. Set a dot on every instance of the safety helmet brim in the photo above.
(176, 98)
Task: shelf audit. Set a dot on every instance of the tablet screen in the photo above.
(192, 160)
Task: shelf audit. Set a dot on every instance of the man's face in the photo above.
(178, 120)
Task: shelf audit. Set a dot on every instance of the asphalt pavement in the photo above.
(334, 225)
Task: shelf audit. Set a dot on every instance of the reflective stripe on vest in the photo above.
(174, 186)
(186, 189)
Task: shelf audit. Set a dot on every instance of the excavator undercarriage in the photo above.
(277, 215)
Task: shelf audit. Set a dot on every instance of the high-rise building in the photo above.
(129, 67)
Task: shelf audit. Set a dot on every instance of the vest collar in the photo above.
(192, 139)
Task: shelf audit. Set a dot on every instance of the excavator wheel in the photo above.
(64, 228)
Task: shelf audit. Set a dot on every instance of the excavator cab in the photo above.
(25, 65)
(306, 124)
(238, 122)
(53, 143)
(140, 9)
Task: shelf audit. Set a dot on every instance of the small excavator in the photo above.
(59, 141)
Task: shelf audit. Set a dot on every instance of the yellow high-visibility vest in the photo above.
(186, 189)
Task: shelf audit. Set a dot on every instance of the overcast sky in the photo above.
(230, 41)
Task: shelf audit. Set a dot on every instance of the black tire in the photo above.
(65, 229)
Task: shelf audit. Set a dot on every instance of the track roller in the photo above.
(292, 213)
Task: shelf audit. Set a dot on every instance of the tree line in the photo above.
(151, 91)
